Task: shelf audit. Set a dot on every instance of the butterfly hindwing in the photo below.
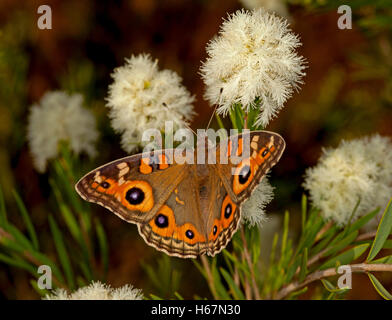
(223, 215)
(178, 228)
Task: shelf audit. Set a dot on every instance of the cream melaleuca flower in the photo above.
(361, 170)
(142, 97)
(277, 6)
(253, 62)
(98, 291)
(252, 210)
(60, 117)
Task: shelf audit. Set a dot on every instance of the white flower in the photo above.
(277, 6)
(98, 291)
(253, 209)
(60, 117)
(360, 169)
(143, 97)
(253, 62)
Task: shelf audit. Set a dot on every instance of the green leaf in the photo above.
(3, 211)
(220, 289)
(304, 206)
(178, 296)
(200, 268)
(345, 257)
(234, 288)
(76, 232)
(379, 287)
(383, 260)
(233, 119)
(17, 263)
(310, 235)
(325, 240)
(27, 220)
(239, 116)
(304, 262)
(331, 288)
(11, 244)
(362, 221)
(383, 231)
(253, 114)
(19, 237)
(219, 120)
(331, 296)
(233, 258)
(40, 259)
(62, 252)
(328, 285)
(255, 244)
(292, 269)
(71, 222)
(297, 293)
(353, 213)
(285, 232)
(41, 292)
(273, 248)
(342, 244)
(103, 246)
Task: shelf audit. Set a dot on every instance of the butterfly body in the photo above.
(183, 208)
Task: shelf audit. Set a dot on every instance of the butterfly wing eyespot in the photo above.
(227, 212)
(216, 230)
(243, 175)
(164, 225)
(188, 233)
(104, 185)
(164, 222)
(136, 195)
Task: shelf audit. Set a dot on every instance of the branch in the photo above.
(318, 275)
(319, 256)
(249, 261)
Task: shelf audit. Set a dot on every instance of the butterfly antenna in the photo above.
(186, 125)
(209, 122)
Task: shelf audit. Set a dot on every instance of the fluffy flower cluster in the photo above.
(253, 209)
(253, 62)
(60, 117)
(277, 6)
(360, 169)
(98, 291)
(143, 97)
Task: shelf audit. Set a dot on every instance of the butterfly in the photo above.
(185, 210)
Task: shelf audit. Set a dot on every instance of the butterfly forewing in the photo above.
(241, 176)
(133, 188)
